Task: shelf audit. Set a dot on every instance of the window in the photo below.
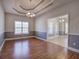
(21, 27)
(25, 27)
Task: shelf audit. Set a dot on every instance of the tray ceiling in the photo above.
(35, 5)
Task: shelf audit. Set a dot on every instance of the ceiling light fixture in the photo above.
(30, 13)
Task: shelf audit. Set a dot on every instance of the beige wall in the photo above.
(2, 17)
(41, 24)
(71, 9)
(11, 18)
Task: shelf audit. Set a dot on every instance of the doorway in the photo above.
(58, 30)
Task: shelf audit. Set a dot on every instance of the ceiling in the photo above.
(36, 6)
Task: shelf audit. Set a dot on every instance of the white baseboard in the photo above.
(18, 38)
(73, 49)
(2, 45)
(70, 48)
(13, 39)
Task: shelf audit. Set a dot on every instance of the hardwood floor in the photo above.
(35, 49)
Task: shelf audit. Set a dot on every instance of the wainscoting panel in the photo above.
(1, 38)
(73, 41)
(12, 35)
(42, 35)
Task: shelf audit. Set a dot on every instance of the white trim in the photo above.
(70, 48)
(2, 45)
(18, 38)
(13, 39)
(73, 49)
(73, 34)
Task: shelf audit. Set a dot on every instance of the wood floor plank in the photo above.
(35, 49)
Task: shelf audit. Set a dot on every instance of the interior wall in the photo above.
(40, 27)
(2, 17)
(10, 26)
(72, 10)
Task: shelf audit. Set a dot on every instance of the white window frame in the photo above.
(22, 28)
